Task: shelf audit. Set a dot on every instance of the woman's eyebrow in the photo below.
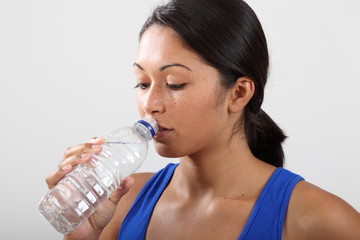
(163, 67)
(137, 65)
(174, 65)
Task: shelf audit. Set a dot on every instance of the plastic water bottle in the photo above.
(82, 190)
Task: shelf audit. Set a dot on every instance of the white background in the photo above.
(66, 75)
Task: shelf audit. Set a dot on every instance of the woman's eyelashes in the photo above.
(176, 86)
(142, 85)
(171, 86)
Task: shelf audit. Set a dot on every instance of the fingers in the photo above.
(76, 159)
(122, 190)
(73, 156)
(82, 153)
(53, 178)
(93, 146)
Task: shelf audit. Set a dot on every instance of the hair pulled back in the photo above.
(228, 35)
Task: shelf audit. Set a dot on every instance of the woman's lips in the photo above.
(161, 128)
(162, 132)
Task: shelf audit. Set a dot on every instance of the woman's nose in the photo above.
(154, 101)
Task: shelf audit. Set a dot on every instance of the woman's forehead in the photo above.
(161, 43)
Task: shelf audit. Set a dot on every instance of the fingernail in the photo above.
(66, 167)
(84, 155)
(92, 140)
(95, 146)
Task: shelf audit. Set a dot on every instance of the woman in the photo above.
(201, 69)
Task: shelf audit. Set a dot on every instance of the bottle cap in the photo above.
(149, 124)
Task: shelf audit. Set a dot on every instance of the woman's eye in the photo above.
(176, 86)
(142, 85)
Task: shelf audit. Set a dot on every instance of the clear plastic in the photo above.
(81, 191)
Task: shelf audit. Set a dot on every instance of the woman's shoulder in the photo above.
(314, 213)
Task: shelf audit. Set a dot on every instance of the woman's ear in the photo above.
(241, 93)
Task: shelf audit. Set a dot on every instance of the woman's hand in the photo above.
(79, 154)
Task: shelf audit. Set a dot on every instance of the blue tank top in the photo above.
(265, 221)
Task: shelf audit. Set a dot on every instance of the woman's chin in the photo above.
(167, 151)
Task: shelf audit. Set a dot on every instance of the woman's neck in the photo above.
(229, 171)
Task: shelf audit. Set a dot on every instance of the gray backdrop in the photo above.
(66, 75)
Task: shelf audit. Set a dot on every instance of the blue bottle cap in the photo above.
(150, 124)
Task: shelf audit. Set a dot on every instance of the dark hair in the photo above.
(228, 35)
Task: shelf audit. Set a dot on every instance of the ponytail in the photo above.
(264, 137)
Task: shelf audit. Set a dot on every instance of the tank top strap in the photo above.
(136, 221)
(267, 216)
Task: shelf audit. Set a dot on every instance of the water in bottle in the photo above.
(81, 191)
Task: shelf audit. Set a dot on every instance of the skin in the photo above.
(214, 188)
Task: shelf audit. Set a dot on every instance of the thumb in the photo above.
(124, 187)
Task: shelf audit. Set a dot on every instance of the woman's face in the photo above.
(181, 92)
